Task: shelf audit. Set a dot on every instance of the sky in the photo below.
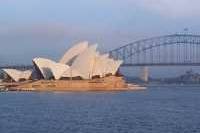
(47, 28)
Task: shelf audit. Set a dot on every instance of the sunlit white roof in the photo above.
(71, 73)
(105, 65)
(84, 63)
(44, 66)
(91, 63)
(100, 65)
(58, 70)
(112, 66)
(49, 68)
(73, 52)
(17, 75)
(87, 62)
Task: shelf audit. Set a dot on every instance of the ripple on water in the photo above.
(154, 110)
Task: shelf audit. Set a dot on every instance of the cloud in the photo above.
(33, 31)
(171, 8)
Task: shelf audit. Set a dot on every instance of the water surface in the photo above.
(156, 110)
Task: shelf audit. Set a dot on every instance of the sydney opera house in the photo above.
(81, 67)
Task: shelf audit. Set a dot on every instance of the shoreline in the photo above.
(130, 87)
(85, 90)
(172, 85)
(111, 83)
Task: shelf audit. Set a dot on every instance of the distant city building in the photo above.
(188, 78)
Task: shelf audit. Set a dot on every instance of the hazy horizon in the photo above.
(47, 28)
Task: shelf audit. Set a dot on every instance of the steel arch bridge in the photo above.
(169, 50)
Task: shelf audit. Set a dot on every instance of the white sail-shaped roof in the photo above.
(26, 74)
(49, 68)
(117, 65)
(17, 75)
(100, 65)
(90, 63)
(111, 67)
(71, 73)
(44, 66)
(58, 70)
(73, 52)
(105, 65)
(84, 63)
(87, 62)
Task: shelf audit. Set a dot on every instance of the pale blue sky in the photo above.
(30, 28)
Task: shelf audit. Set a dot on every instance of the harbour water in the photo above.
(155, 110)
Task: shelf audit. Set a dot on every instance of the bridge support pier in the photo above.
(144, 74)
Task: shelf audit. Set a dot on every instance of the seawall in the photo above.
(111, 83)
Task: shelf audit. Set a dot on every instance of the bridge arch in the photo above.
(184, 48)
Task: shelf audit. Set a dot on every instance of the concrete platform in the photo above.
(111, 83)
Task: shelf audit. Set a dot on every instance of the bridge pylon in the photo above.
(144, 74)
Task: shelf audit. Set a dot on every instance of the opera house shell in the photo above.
(82, 68)
(48, 69)
(17, 75)
(82, 60)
